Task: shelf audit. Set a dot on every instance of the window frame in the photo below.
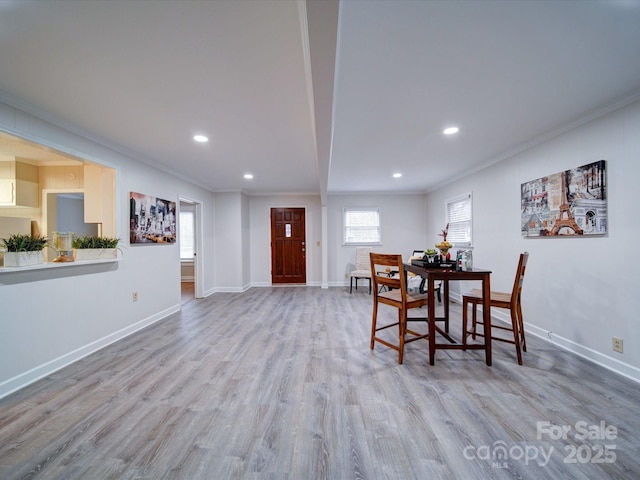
(345, 241)
(459, 199)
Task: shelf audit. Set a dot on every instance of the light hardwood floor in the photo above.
(280, 383)
(187, 292)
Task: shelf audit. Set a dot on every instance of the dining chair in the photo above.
(396, 296)
(362, 269)
(510, 301)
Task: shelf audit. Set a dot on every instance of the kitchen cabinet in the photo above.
(99, 198)
(18, 184)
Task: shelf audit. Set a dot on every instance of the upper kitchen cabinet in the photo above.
(99, 198)
(18, 184)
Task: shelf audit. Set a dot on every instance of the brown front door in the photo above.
(288, 246)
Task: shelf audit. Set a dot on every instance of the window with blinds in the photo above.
(361, 226)
(458, 211)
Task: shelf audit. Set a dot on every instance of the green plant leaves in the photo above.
(19, 242)
(92, 241)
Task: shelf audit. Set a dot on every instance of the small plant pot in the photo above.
(96, 254)
(23, 259)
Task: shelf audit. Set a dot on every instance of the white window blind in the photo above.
(187, 236)
(458, 211)
(361, 226)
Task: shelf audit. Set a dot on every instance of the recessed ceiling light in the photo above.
(397, 175)
(248, 176)
(200, 138)
(450, 130)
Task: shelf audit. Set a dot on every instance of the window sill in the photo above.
(51, 265)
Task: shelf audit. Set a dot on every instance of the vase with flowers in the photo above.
(444, 245)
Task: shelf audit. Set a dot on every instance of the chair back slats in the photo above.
(380, 264)
(519, 280)
(510, 301)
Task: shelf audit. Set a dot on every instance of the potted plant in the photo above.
(94, 247)
(23, 249)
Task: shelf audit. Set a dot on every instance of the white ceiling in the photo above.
(316, 96)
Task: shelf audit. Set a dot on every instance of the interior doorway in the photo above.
(190, 242)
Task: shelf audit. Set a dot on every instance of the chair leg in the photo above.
(521, 327)
(438, 291)
(351, 285)
(374, 321)
(516, 335)
(369, 286)
(474, 320)
(402, 327)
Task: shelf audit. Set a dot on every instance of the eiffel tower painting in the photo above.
(569, 203)
(565, 219)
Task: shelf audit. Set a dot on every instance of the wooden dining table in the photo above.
(434, 274)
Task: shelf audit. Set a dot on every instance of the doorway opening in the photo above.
(190, 241)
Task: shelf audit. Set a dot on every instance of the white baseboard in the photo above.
(229, 290)
(22, 380)
(610, 363)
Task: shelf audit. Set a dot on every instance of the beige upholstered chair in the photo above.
(396, 296)
(510, 301)
(363, 269)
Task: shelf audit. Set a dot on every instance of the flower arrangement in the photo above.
(444, 246)
(444, 233)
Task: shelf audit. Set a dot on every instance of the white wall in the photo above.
(579, 292)
(228, 246)
(403, 222)
(51, 318)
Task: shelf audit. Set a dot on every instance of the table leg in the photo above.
(445, 293)
(432, 321)
(486, 312)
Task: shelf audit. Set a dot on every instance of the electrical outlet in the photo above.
(134, 296)
(617, 344)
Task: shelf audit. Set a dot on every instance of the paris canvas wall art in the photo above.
(569, 203)
(152, 220)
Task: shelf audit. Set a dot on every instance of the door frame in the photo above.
(306, 243)
(198, 261)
